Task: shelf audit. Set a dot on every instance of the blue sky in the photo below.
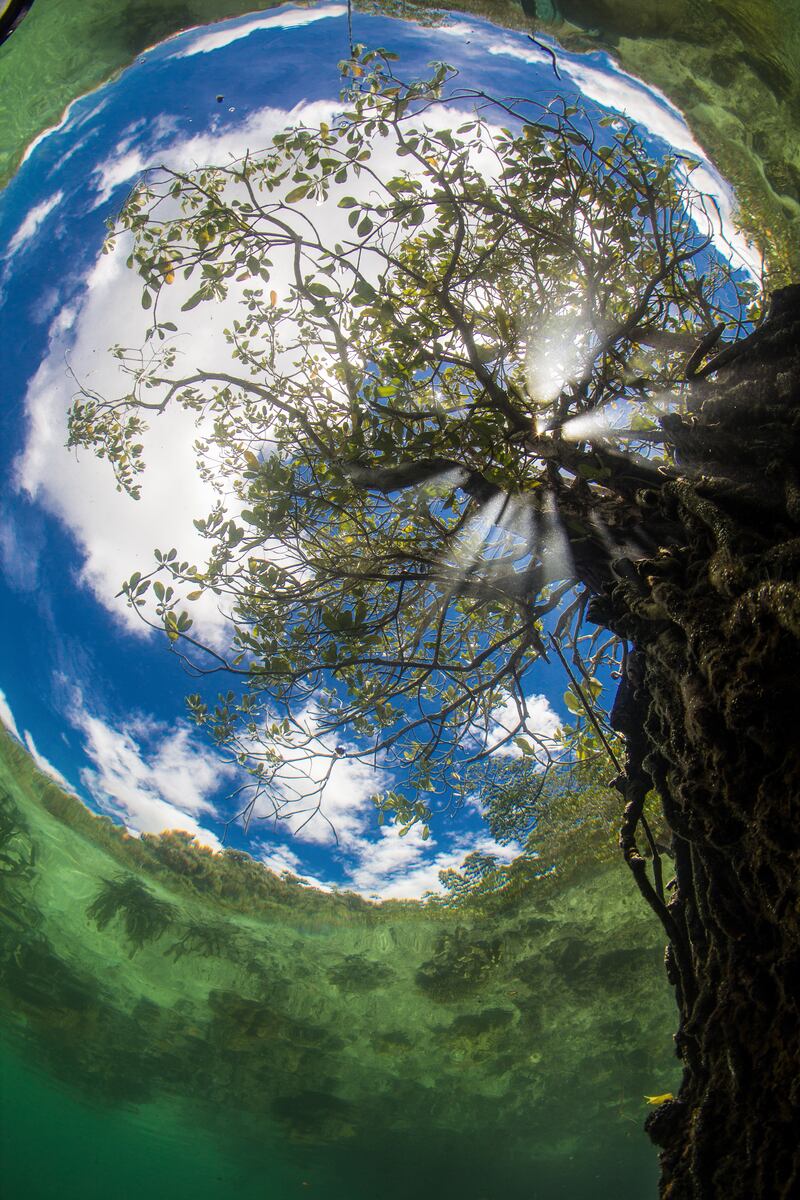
(99, 703)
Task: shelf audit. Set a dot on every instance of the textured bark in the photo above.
(711, 711)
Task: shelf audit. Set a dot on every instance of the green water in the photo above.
(58, 1145)
(54, 1143)
(184, 1024)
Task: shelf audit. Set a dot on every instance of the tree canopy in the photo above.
(460, 330)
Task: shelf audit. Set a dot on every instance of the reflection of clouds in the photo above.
(206, 43)
(33, 221)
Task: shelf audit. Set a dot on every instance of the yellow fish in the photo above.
(659, 1099)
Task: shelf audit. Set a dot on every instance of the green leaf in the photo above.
(297, 193)
(194, 300)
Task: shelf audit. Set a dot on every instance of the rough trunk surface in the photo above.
(711, 711)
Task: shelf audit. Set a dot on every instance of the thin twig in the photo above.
(586, 705)
(548, 50)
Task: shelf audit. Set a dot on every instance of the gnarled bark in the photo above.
(715, 622)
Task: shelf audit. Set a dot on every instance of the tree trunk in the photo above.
(711, 710)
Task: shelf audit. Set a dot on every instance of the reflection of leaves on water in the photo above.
(144, 917)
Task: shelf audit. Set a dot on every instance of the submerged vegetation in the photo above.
(144, 917)
(329, 1023)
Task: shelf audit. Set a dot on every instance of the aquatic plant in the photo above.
(356, 973)
(207, 940)
(461, 962)
(17, 851)
(144, 917)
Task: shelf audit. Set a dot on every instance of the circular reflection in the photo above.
(96, 699)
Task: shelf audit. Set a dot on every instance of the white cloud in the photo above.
(205, 43)
(280, 859)
(45, 765)
(76, 122)
(396, 868)
(534, 719)
(345, 805)
(7, 717)
(122, 166)
(33, 221)
(116, 535)
(614, 88)
(223, 145)
(163, 785)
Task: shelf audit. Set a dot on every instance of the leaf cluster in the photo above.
(443, 402)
